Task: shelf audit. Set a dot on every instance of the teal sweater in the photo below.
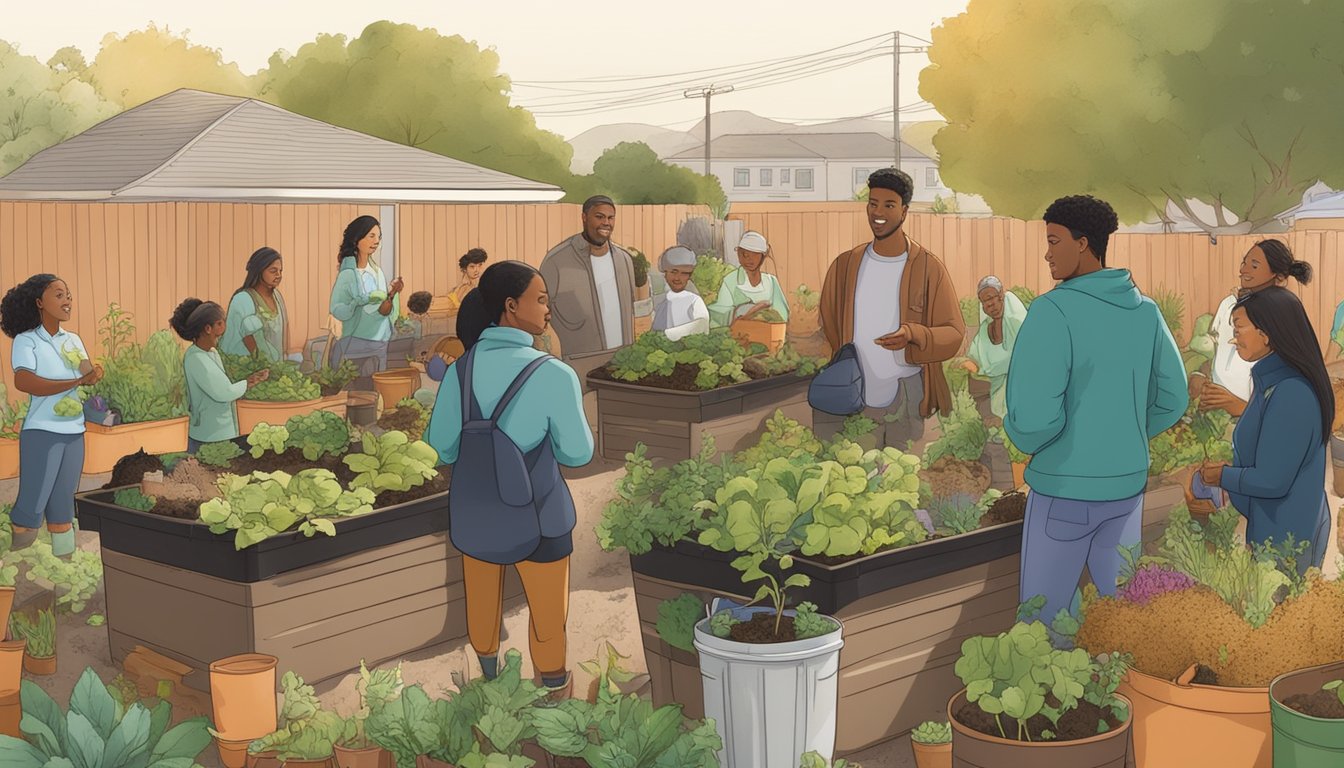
(1095, 374)
(359, 315)
(548, 407)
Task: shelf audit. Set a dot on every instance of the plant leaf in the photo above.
(84, 746)
(188, 739)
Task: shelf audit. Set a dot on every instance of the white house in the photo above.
(808, 166)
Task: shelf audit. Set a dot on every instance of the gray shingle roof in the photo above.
(799, 146)
(195, 145)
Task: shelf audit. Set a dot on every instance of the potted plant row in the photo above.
(1211, 624)
(38, 631)
(287, 392)
(11, 421)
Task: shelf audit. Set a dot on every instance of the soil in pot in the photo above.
(761, 630)
(1075, 725)
(949, 477)
(130, 470)
(1008, 508)
(1204, 676)
(1324, 704)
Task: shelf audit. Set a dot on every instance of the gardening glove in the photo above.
(63, 543)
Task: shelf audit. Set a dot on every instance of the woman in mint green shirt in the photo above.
(211, 394)
(257, 315)
(363, 300)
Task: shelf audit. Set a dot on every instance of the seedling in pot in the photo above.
(1337, 686)
(932, 732)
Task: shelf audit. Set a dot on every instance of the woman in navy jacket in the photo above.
(1277, 476)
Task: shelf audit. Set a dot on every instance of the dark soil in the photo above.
(1008, 508)
(405, 419)
(682, 378)
(438, 485)
(1324, 704)
(568, 762)
(130, 470)
(1074, 725)
(761, 629)
(1204, 676)
(949, 477)
(291, 461)
(182, 509)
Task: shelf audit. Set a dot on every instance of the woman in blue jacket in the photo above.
(545, 422)
(1277, 476)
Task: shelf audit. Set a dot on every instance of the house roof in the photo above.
(1326, 205)
(192, 145)
(801, 146)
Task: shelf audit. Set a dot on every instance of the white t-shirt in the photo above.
(681, 314)
(1228, 370)
(877, 312)
(608, 298)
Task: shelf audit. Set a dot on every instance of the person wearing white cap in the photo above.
(682, 313)
(749, 290)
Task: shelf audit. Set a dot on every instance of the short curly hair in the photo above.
(419, 302)
(1085, 216)
(894, 179)
(18, 310)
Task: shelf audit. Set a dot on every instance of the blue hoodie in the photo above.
(1095, 374)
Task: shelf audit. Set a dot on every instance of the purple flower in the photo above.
(1153, 580)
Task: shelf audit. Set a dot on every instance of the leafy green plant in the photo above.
(38, 630)
(806, 298)
(218, 454)
(11, 416)
(1172, 306)
(307, 731)
(332, 380)
(641, 265)
(97, 731)
(608, 669)
(808, 623)
(957, 515)
(391, 462)
(815, 760)
(932, 732)
(718, 356)
(1202, 346)
(133, 498)
(1337, 686)
(658, 505)
(376, 689)
(1024, 294)
(964, 434)
(677, 619)
(721, 624)
(709, 274)
(76, 578)
(412, 724)
(140, 382)
(265, 437)
(500, 712)
(318, 434)
(266, 504)
(970, 310)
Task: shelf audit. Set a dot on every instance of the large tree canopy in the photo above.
(1238, 104)
(41, 106)
(632, 174)
(150, 62)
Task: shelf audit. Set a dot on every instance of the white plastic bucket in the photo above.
(770, 703)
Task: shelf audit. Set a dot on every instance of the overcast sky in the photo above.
(549, 41)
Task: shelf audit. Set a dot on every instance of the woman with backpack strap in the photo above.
(507, 418)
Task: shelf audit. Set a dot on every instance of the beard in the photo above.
(896, 229)
(595, 240)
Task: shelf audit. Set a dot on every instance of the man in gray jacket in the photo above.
(591, 281)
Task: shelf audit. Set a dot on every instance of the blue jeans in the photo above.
(50, 466)
(1060, 536)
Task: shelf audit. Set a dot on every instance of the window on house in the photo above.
(784, 177)
(803, 180)
(931, 177)
(861, 177)
(741, 177)
(767, 177)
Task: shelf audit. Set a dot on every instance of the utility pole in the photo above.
(707, 93)
(896, 90)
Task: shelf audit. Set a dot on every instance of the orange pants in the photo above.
(547, 588)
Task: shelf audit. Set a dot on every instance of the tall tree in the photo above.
(418, 87)
(148, 63)
(40, 107)
(1237, 104)
(632, 174)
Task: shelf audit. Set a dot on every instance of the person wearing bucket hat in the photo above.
(682, 313)
(749, 290)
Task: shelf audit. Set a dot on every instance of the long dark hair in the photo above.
(473, 256)
(192, 316)
(1282, 263)
(354, 232)
(18, 310)
(483, 306)
(1280, 315)
(260, 261)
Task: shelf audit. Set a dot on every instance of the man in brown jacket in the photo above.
(591, 281)
(896, 303)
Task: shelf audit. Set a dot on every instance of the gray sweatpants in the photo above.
(50, 465)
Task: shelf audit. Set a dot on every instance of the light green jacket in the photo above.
(350, 303)
(211, 396)
(248, 317)
(737, 292)
(992, 359)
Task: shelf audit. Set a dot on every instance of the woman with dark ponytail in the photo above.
(211, 395)
(363, 300)
(1267, 264)
(507, 418)
(50, 364)
(1277, 476)
(256, 320)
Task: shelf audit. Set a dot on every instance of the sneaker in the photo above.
(23, 539)
(557, 693)
(63, 543)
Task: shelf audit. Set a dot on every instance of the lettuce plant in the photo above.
(932, 732)
(266, 504)
(219, 454)
(964, 433)
(265, 437)
(815, 760)
(318, 434)
(717, 354)
(391, 462)
(677, 619)
(376, 689)
(306, 732)
(98, 731)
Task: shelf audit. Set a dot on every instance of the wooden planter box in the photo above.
(1162, 494)
(104, 446)
(9, 459)
(254, 412)
(903, 629)
(377, 605)
(670, 423)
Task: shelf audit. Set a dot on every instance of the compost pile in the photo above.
(1008, 508)
(949, 477)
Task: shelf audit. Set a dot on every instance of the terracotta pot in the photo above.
(370, 757)
(11, 714)
(972, 749)
(6, 606)
(254, 412)
(1233, 724)
(396, 385)
(268, 759)
(242, 695)
(9, 458)
(325, 762)
(932, 755)
(424, 761)
(11, 664)
(104, 446)
(1303, 741)
(232, 753)
(39, 665)
(748, 332)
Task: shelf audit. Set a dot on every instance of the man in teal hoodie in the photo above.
(1095, 374)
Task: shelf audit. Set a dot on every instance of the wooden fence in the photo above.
(147, 257)
(806, 237)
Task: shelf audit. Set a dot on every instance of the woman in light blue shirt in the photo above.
(362, 299)
(212, 397)
(498, 323)
(50, 364)
(256, 320)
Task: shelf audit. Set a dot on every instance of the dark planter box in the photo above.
(670, 423)
(836, 586)
(189, 544)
